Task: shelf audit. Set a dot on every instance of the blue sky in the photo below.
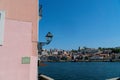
(74, 23)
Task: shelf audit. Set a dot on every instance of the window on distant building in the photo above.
(2, 19)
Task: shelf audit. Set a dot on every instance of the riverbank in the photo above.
(117, 60)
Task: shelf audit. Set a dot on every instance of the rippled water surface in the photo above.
(81, 70)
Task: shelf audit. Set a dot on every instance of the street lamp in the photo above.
(49, 37)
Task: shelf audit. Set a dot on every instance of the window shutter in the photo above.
(2, 20)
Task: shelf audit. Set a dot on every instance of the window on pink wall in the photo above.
(2, 21)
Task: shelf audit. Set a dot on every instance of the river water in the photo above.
(81, 70)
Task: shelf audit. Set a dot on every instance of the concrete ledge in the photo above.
(44, 77)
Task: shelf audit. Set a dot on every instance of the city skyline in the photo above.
(77, 23)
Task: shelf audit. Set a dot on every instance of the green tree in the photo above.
(100, 48)
(74, 51)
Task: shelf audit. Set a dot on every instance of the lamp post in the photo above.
(49, 37)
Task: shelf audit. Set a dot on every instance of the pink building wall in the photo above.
(20, 40)
(23, 10)
(17, 44)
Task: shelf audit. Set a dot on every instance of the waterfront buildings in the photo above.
(18, 39)
(84, 54)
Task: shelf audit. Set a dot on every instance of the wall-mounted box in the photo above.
(25, 60)
(2, 21)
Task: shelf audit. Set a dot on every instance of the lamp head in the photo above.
(49, 37)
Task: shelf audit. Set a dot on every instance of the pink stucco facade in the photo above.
(23, 10)
(20, 40)
(17, 44)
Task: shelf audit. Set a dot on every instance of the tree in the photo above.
(74, 51)
(100, 48)
(86, 58)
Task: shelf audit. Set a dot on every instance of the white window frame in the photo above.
(2, 21)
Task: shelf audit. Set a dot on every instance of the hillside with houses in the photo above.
(81, 55)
